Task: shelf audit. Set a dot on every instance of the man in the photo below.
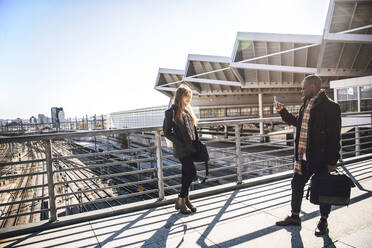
(318, 127)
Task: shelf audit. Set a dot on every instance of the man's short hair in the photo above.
(314, 79)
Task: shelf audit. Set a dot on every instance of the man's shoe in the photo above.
(289, 221)
(322, 228)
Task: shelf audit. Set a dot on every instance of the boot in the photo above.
(180, 204)
(189, 204)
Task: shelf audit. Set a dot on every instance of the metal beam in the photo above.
(349, 26)
(274, 37)
(267, 62)
(349, 38)
(254, 54)
(211, 81)
(326, 31)
(331, 72)
(237, 74)
(355, 29)
(296, 69)
(279, 53)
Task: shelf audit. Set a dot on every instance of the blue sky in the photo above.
(96, 57)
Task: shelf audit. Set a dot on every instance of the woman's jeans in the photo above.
(298, 184)
(188, 175)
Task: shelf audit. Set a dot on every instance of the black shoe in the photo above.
(290, 221)
(322, 228)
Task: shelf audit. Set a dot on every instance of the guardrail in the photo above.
(52, 175)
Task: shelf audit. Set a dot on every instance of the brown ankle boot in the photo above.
(180, 204)
(177, 206)
(189, 204)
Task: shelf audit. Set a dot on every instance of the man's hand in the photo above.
(332, 168)
(279, 106)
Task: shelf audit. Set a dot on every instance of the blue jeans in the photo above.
(298, 185)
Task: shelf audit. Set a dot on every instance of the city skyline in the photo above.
(101, 57)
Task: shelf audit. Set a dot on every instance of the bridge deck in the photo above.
(240, 218)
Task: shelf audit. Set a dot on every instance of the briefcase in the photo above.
(330, 189)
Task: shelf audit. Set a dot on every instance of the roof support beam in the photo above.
(161, 88)
(355, 29)
(211, 81)
(267, 62)
(331, 72)
(237, 74)
(208, 67)
(278, 53)
(349, 26)
(327, 26)
(349, 38)
(254, 54)
(296, 69)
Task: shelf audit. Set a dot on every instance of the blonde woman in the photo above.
(179, 127)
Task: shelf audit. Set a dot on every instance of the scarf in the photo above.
(302, 145)
(187, 120)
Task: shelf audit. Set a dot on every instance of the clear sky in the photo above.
(96, 57)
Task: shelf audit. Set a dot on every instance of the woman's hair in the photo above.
(182, 92)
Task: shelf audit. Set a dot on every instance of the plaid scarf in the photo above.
(302, 145)
(187, 120)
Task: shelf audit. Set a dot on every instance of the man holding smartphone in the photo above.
(318, 127)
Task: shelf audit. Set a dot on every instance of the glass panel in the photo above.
(245, 111)
(233, 112)
(254, 110)
(366, 92)
(366, 105)
(347, 94)
(349, 106)
(342, 94)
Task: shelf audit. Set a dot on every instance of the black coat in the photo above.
(177, 133)
(323, 137)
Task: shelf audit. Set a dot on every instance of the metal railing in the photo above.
(51, 175)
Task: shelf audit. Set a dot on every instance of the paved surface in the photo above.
(241, 218)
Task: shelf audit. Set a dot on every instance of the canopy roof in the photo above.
(268, 62)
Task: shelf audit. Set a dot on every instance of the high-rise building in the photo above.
(41, 119)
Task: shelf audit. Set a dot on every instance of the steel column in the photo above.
(159, 165)
(49, 165)
(238, 154)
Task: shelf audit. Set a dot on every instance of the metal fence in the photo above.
(51, 175)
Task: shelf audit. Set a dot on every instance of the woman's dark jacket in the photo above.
(323, 137)
(177, 133)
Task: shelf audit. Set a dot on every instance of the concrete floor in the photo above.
(241, 218)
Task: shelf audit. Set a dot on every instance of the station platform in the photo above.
(240, 218)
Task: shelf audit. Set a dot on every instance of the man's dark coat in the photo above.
(323, 137)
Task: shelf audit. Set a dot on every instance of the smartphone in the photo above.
(275, 101)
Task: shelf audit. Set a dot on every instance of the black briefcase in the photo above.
(330, 189)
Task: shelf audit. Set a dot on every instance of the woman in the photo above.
(179, 127)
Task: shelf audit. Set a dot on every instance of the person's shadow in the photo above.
(162, 233)
(296, 240)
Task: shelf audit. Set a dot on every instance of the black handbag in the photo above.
(201, 155)
(330, 189)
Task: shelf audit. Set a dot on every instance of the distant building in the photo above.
(41, 119)
(33, 120)
(58, 116)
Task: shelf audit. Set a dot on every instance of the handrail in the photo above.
(91, 179)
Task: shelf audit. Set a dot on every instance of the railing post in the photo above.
(49, 166)
(159, 166)
(357, 141)
(238, 154)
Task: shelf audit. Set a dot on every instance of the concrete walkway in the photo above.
(241, 218)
